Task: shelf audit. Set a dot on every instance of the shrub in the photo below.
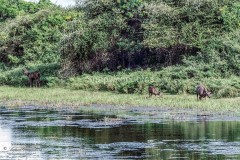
(15, 76)
(228, 91)
(138, 82)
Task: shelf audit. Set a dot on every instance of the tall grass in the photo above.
(171, 80)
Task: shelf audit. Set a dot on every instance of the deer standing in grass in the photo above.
(32, 76)
(153, 91)
(202, 92)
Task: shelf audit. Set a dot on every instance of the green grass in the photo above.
(59, 97)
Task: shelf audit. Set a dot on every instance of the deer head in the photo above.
(208, 94)
(25, 71)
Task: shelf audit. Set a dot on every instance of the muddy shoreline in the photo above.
(140, 113)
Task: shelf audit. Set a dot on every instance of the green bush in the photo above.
(138, 82)
(228, 92)
(15, 76)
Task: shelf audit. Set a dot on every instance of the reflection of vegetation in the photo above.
(184, 139)
(195, 140)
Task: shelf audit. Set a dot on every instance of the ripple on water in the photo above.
(42, 134)
(213, 147)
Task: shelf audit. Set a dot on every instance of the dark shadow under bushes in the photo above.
(145, 58)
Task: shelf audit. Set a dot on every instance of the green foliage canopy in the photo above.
(100, 35)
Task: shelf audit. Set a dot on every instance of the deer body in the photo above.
(202, 92)
(33, 76)
(153, 91)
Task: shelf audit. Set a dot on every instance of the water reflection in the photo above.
(33, 133)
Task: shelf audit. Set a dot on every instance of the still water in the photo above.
(33, 133)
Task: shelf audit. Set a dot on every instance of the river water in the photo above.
(33, 133)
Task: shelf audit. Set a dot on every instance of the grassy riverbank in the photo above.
(59, 97)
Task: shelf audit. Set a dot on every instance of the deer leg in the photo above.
(38, 83)
(150, 94)
(30, 82)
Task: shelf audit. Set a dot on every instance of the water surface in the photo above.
(33, 133)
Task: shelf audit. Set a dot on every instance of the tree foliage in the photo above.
(32, 38)
(100, 35)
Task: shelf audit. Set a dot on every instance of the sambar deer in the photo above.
(202, 92)
(32, 76)
(153, 91)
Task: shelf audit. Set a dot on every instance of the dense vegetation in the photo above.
(123, 45)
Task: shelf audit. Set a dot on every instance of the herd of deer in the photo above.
(200, 89)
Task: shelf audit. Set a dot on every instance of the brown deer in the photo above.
(32, 76)
(153, 91)
(202, 92)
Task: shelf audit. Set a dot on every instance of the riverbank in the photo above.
(118, 104)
